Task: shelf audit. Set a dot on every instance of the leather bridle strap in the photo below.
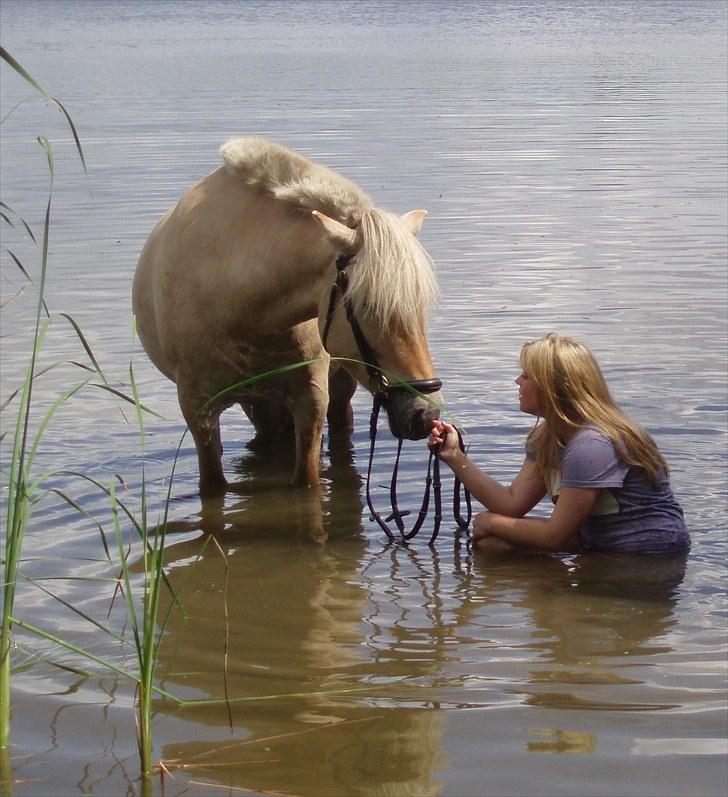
(369, 358)
(463, 522)
(340, 284)
(432, 483)
(397, 516)
(340, 287)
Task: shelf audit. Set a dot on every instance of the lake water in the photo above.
(572, 157)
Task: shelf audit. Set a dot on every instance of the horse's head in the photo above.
(375, 314)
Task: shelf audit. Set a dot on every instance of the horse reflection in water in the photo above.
(235, 281)
(296, 619)
(267, 507)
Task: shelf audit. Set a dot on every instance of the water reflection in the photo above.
(298, 655)
(589, 612)
(557, 740)
(323, 642)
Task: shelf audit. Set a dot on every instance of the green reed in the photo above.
(146, 625)
(21, 485)
(23, 488)
(26, 489)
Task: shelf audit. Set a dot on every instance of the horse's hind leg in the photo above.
(272, 422)
(340, 414)
(209, 458)
(206, 434)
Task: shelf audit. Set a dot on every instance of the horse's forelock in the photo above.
(393, 278)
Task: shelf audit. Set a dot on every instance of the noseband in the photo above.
(382, 392)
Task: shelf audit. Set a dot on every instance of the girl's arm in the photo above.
(554, 533)
(526, 490)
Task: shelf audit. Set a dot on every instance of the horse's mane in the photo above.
(392, 279)
(294, 179)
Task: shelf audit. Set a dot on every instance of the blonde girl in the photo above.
(605, 475)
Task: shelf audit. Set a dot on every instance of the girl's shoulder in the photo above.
(592, 444)
(587, 435)
(591, 460)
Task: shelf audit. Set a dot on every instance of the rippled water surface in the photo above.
(572, 157)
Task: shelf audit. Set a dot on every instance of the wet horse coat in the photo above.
(234, 281)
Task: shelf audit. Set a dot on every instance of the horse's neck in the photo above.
(286, 261)
(301, 295)
(289, 284)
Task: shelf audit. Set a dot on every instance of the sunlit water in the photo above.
(572, 157)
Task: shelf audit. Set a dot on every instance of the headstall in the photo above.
(382, 392)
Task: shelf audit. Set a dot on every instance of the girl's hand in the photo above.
(485, 525)
(484, 540)
(444, 440)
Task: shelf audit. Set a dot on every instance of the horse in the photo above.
(235, 280)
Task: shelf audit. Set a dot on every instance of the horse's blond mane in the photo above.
(392, 279)
(294, 179)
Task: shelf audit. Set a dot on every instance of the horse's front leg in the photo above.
(308, 406)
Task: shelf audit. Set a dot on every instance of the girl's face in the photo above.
(527, 395)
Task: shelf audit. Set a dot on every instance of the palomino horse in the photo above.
(235, 280)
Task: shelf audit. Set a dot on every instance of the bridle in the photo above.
(369, 358)
(382, 392)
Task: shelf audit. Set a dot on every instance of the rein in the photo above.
(384, 388)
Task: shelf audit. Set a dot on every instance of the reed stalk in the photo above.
(19, 505)
(21, 486)
(145, 622)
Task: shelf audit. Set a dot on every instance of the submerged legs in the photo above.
(312, 396)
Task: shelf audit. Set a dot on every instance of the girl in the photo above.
(604, 472)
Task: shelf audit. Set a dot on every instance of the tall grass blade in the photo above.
(75, 610)
(20, 266)
(19, 494)
(86, 346)
(87, 654)
(47, 417)
(253, 380)
(226, 650)
(87, 514)
(5, 55)
(129, 399)
(129, 514)
(9, 210)
(124, 577)
(9, 400)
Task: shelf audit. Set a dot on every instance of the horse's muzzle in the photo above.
(410, 414)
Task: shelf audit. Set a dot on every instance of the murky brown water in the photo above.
(572, 157)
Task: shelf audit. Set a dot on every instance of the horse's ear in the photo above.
(412, 221)
(344, 237)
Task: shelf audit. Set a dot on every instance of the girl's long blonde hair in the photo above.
(572, 393)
